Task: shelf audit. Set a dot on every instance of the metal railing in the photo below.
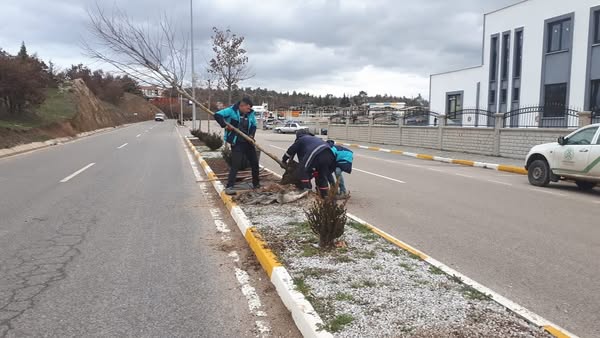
(549, 116)
(470, 118)
(421, 117)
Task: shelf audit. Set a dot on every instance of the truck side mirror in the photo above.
(562, 140)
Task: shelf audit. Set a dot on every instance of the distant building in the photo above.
(151, 92)
(535, 53)
(385, 105)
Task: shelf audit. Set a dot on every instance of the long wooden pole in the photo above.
(236, 130)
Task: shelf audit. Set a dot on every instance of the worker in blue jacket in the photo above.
(241, 116)
(343, 158)
(314, 155)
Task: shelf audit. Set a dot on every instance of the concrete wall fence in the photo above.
(496, 141)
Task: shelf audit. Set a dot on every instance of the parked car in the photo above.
(159, 117)
(289, 128)
(574, 157)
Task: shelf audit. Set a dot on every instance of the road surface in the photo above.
(539, 247)
(112, 236)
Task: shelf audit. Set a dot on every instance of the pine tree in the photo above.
(23, 52)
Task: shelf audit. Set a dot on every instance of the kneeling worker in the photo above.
(314, 154)
(241, 116)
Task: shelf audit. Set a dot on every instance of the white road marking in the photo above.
(276, 147)
(377, 175)
(499, 182)
(464, 175)
(549, 192)
(123, 145)
(66, 179)
(138, 135)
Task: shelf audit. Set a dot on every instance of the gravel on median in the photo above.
(371, 288)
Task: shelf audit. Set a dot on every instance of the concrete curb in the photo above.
(25, 148)
(493, 166)
(306, 318)
(531, 317)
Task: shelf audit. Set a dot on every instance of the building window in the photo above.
(518, 62)
(559, 36)
(516, 94)
(494, 59)
(492, 96)
(505, 55)
(595, 96)
(503, 96)
(454, 104)
(555, 100)
(596, 27)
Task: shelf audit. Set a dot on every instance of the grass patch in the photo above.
(367, 254)
(378, 267)
(455, 279)
(59, 106)
(344, 297)
(308, 250)
(413, 256)
(393, 251)
(316, 272)
(473, 294)
(363, 284)
(407, 267)
(301, 286)
(338, 323)
(343, 259)
(435, 270)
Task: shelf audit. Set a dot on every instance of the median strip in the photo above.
(493, 166)
(368, 298)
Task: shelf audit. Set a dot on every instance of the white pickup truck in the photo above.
(289, 128)
(574, 157)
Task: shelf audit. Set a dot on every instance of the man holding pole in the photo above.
(242, 117)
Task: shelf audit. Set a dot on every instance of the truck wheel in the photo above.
(585, 185)
(539, 173)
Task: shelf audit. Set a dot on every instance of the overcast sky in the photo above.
(319, 46)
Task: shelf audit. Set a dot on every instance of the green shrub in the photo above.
(213, 141)
(327, 219)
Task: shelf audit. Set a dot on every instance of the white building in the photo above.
(151, 92)
(535, 53)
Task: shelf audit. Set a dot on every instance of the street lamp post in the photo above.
(193, 73)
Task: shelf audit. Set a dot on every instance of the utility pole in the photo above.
(193, 73)
(181, 110)
(208, 122)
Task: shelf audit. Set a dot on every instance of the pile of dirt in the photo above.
(92, 114)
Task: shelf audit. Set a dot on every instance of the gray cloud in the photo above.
(291, 44)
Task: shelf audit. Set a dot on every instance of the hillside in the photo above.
(73, 110)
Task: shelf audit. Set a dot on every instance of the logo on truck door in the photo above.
(569, 154)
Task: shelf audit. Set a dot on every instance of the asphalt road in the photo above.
(112, 236)
(539, 247)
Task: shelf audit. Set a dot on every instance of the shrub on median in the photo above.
(213, 141)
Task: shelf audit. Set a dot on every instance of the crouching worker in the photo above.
(241, 116)
(313, 154)
(343, 163)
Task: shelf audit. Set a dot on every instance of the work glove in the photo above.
(228, 128)
(283, 164)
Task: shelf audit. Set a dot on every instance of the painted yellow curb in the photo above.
(374, 148)
(265, 256)
(555, 332)
(464, 162)
(512, 169)
(399, 152)
(425, 157)
(397, 242)
(227, 200)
